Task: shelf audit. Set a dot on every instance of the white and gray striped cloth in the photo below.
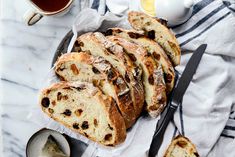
(207, 114)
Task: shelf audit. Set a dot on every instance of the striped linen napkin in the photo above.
(207, 114)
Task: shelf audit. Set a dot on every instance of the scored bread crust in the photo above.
(95, 69)
(181, 145)
(152, 47)
(98, 45)
(115, 129)
(157, 31)
(154, 85)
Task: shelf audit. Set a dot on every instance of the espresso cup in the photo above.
(40, 8)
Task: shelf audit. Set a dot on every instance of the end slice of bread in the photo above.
(154, 85)
(152, 47)
(83, 108)
(158, 32)
(181, 147)
(95, 69)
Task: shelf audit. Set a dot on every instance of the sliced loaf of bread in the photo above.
(158, 32)
(95, 69)
(152, 47)
(83, 108)
(98, 45)
(181, 147)
(154, 85)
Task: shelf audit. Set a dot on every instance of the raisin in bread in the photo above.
(98, 45)
(154, 85)
(158, 32)
(181, 147)
(83, 108)
(153, 48)
(85, 67)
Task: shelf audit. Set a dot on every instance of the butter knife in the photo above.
(176, 98)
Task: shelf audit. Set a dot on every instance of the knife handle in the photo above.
(159, 134)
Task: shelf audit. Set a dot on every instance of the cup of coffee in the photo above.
(42, 8)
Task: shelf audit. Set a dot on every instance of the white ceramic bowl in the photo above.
(37, 141)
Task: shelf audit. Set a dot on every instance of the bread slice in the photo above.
(85, 67)
(98, 45)
(158, 32)
(152, 47)
(154, 85)
(181, 147)
(83, 108)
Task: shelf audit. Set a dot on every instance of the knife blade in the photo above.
(187, 75)
(177, 96)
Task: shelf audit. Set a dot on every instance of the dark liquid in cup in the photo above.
(50, 5)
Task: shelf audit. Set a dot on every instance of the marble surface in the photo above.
(26, 55)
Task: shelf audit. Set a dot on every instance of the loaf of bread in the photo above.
(108, 80)
(83, 108)
(154, 85)
(181, 147)
(95, 69)
(152, 47)
(158, 32)
(98, 45)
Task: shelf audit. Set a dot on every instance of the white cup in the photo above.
(35, 13)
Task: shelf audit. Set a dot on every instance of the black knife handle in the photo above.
(159, 134)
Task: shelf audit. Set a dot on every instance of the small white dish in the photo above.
(38, 139)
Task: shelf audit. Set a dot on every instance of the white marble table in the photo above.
(26, 55)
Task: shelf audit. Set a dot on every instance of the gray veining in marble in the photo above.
(26, 55)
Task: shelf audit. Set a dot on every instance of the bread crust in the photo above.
(152, 47)
(159, 32)
(154, 85)
(107, 103)
(185, 144)
(117, 57)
